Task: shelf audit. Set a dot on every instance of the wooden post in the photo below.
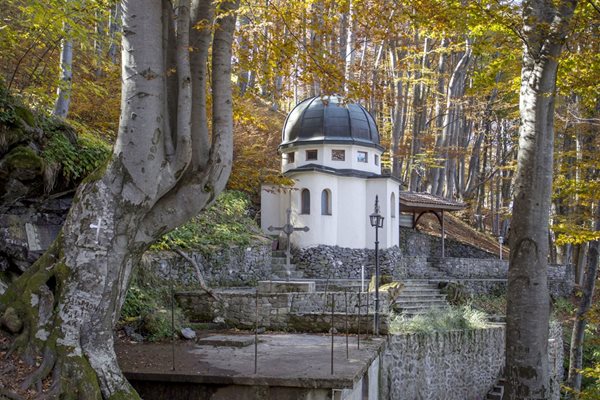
(443, 236)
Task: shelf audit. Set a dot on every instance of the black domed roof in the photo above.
(327, 119)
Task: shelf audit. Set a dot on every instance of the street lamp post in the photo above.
(376, 222)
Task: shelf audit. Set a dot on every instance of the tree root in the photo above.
(5, 393)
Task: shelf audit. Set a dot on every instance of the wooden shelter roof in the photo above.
(419, 202)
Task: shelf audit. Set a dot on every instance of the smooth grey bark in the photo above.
(349, 57)
(65, 83)
(142, 193)
(113, 29)
(419, 114)
(588, 285)
(399, 114)
(544, 29)
(452, 122)
(438, 115)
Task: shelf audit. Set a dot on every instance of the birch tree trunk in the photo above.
(545, 25)
(157, 178)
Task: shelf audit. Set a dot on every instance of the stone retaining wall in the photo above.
(488, 276)
(443, 365)
(234, 266)
(454, 365)
(335, 262)
(478, 275)
(415, 243)
(300, 312)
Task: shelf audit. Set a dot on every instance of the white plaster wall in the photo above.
(270, 208)
(323, 228)
(378, 187)
(352, 201)
(374, 378)
(353, 223)
(324, 157)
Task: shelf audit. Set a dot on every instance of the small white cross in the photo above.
(97, 227)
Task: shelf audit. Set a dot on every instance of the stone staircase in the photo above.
(279, 270)
(417, 297)
(497, 392)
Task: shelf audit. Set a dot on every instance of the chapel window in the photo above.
(362, 156)
(326, 202)
(338, 155)
(305, 201)
(376, 159)
(291, 157)
(311, 155)
(393, 205)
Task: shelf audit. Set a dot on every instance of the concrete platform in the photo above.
(288, 361)
(286, 286)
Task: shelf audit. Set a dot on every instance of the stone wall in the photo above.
(298, 312)
(415, 243)
(488, 275)
(455, 365)
(234, 266)
(443, 365)
(477, 275)
(336, 262)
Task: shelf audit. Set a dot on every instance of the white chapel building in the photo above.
(331, 149)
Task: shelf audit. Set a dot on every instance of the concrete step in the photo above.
(292, 275)
(422, 302)
(420, 296)
(420, 286)
(278, 253)
(278, 261)
(430, 304)
(283, 267)
(497, 393)
(418, 309)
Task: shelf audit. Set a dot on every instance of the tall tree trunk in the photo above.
(70, 299)
(589, 281)
(419, 114)
(545, 28)
(452, 120)
(65, 83)
(114, 28)
(349, 58)
(438, 115)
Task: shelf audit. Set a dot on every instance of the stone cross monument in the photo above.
(288, 229)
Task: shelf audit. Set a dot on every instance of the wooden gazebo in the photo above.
(421, 203)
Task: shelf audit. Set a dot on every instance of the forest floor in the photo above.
(13, 371)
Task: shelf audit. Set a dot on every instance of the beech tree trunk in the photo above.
(157, 178)
(65, 83)
(589, 281)
(544, 27)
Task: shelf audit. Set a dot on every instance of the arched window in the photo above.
(326, 202)
(305, 201)
(393, 205)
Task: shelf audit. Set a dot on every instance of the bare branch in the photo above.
(199, 275)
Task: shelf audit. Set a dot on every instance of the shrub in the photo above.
(225, 223)
(440, 320)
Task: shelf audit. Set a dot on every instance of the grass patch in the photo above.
(436, 320)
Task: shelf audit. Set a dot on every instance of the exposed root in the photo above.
(48, 361)
(10, 395)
